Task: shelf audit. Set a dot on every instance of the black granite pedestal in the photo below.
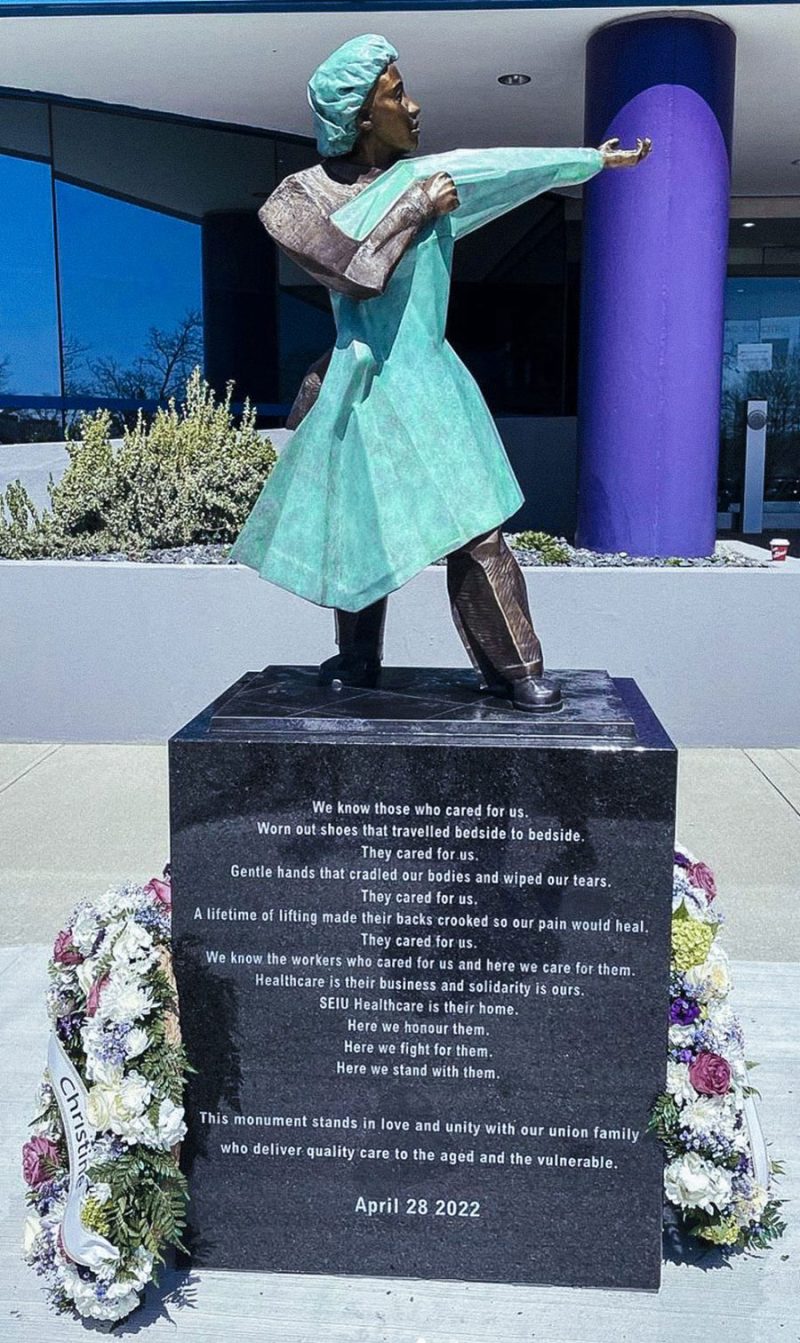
(422, 948)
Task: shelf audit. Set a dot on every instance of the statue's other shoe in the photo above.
(535, 694)
(350, 669)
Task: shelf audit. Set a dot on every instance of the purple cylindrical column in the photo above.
(654, 261)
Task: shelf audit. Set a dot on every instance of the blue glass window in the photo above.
(131, 296)
(761, 360)
(29, 357)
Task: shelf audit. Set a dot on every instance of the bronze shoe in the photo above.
(350, 669)
(535, 694)
(531, 694)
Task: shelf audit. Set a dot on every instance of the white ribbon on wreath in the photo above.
(82, 1245)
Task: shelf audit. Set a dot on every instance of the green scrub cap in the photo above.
(338, 88)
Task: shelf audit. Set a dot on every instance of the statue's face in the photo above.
(390, 116)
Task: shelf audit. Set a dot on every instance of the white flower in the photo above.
(135, 1092)
(120, 1107)
(680, 1037)
(139, 1129)
(712, 979)
(722, 1030)
(117, 1302)
(170, 1125)
(97, 1068)
(98, 1106)
(692, 1182)
(123, 999)
(747, 1210)
(714, 1115)
(137, 1042)
(678, 1084)
(101, 1192)
(133, 943)
(30, 1233)
(118, 901)
(85, 927)
(98, 1071)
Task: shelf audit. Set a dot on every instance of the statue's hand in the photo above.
(614, 157)
(442, 190)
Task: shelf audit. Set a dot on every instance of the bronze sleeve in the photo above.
(361, 270)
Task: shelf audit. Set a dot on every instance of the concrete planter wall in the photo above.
(128, 652)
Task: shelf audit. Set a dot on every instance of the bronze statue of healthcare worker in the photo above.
(396, 460)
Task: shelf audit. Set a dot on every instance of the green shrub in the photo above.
(550, 549)
(190, 475)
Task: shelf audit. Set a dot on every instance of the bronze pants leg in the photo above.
(359, 634)
(490, 608)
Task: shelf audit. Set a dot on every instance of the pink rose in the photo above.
(702, 877)
(93, 997)
(162, 890)
(64, 951)
(710, 1074)
(39, 1161)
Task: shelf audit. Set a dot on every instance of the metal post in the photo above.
(755, 459)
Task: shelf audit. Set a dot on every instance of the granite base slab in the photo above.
(422, 951)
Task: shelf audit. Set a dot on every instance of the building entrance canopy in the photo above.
(247, 66)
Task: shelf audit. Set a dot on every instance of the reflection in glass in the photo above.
(507, 314)
(131, 296)
(761, 360)
(28, 310)
(307, 330)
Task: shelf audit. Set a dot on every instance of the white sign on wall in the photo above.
(754, 357)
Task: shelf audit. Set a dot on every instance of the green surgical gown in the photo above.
(399, 461)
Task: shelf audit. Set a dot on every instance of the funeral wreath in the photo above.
(105, 1191)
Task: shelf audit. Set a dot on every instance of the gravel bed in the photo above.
(724, 556)
(198, 554)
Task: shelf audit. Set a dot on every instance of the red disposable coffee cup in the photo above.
(779, 547)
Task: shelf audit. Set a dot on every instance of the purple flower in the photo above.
(156, 918)
(683, 1012)
(681, 860)
(68, 1025)
(39, 1161)
(111, 1045)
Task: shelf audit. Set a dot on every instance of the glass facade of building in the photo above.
(105, 292)
(761, 359)
(130, 251)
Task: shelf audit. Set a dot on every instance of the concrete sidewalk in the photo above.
(74, 819)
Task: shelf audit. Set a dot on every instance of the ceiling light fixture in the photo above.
(749, 224)
(513, 79)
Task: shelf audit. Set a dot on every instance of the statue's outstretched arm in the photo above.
(487, 183)
(361, 269)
